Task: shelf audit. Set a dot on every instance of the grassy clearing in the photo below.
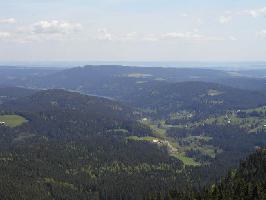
(252, 124)
(179, 147)
(186, 160)
(122, 131)
(214, 93)
(198, 143)
(158, 128)
(173, 151)
(138, 75)
(12, 120)
(147, 139)
(198, 138)
(159, 131)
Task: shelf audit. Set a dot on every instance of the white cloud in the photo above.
(104, 34)
(41, 32)
(128, 36)
(55, 27)
(177, 35)
(225, 19)
(254, 12)
(232, 38)
(192, 36)
(4, 35)
(262, 34)
(151, 38)
(8, 21)
(199, 22)
(184, 15)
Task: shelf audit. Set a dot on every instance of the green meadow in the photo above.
(12, 120)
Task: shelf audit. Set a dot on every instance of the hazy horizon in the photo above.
(241, 65)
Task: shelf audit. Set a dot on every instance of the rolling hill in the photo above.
(245, 182)
(74, 145)
(161, 90)
(96, 79)
(210, 98)
(157, 130)
(74, 112)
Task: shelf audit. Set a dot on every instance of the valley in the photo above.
(124, 136)
(132, 100)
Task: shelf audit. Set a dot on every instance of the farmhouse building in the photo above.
(2, 123)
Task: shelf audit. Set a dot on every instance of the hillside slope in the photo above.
(74, 112)
(75, 146)
(209, 98)
(248, 182)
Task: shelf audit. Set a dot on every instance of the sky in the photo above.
(132, 30)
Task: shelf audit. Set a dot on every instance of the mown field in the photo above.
(12, 120)
(185, 148)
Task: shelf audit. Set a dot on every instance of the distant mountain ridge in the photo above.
(87, 77)
(163, 89)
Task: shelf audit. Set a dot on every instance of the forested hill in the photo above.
(88, 75)
(153, 135)
(12, 93)
(64, 145)
(158, 89)
(62, 99)
(17, 76)
(248, 182)
(92, 79)
(195, 96)
(161, 97)
(48, 110)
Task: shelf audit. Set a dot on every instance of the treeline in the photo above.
(40, 167)
(248, 182)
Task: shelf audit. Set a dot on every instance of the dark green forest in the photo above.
(131, 133)
(247, 182)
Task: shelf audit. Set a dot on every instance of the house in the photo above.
(2, 123)
(155, 141)
(145, 119)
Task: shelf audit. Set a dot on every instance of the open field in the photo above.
(160, 134)
(252, 120)
(12, 120)
(185, 159)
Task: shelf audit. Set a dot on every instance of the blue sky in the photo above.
(132, 30)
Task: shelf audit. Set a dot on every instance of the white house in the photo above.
(145, 119)
(155, 141)
(2, 123)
